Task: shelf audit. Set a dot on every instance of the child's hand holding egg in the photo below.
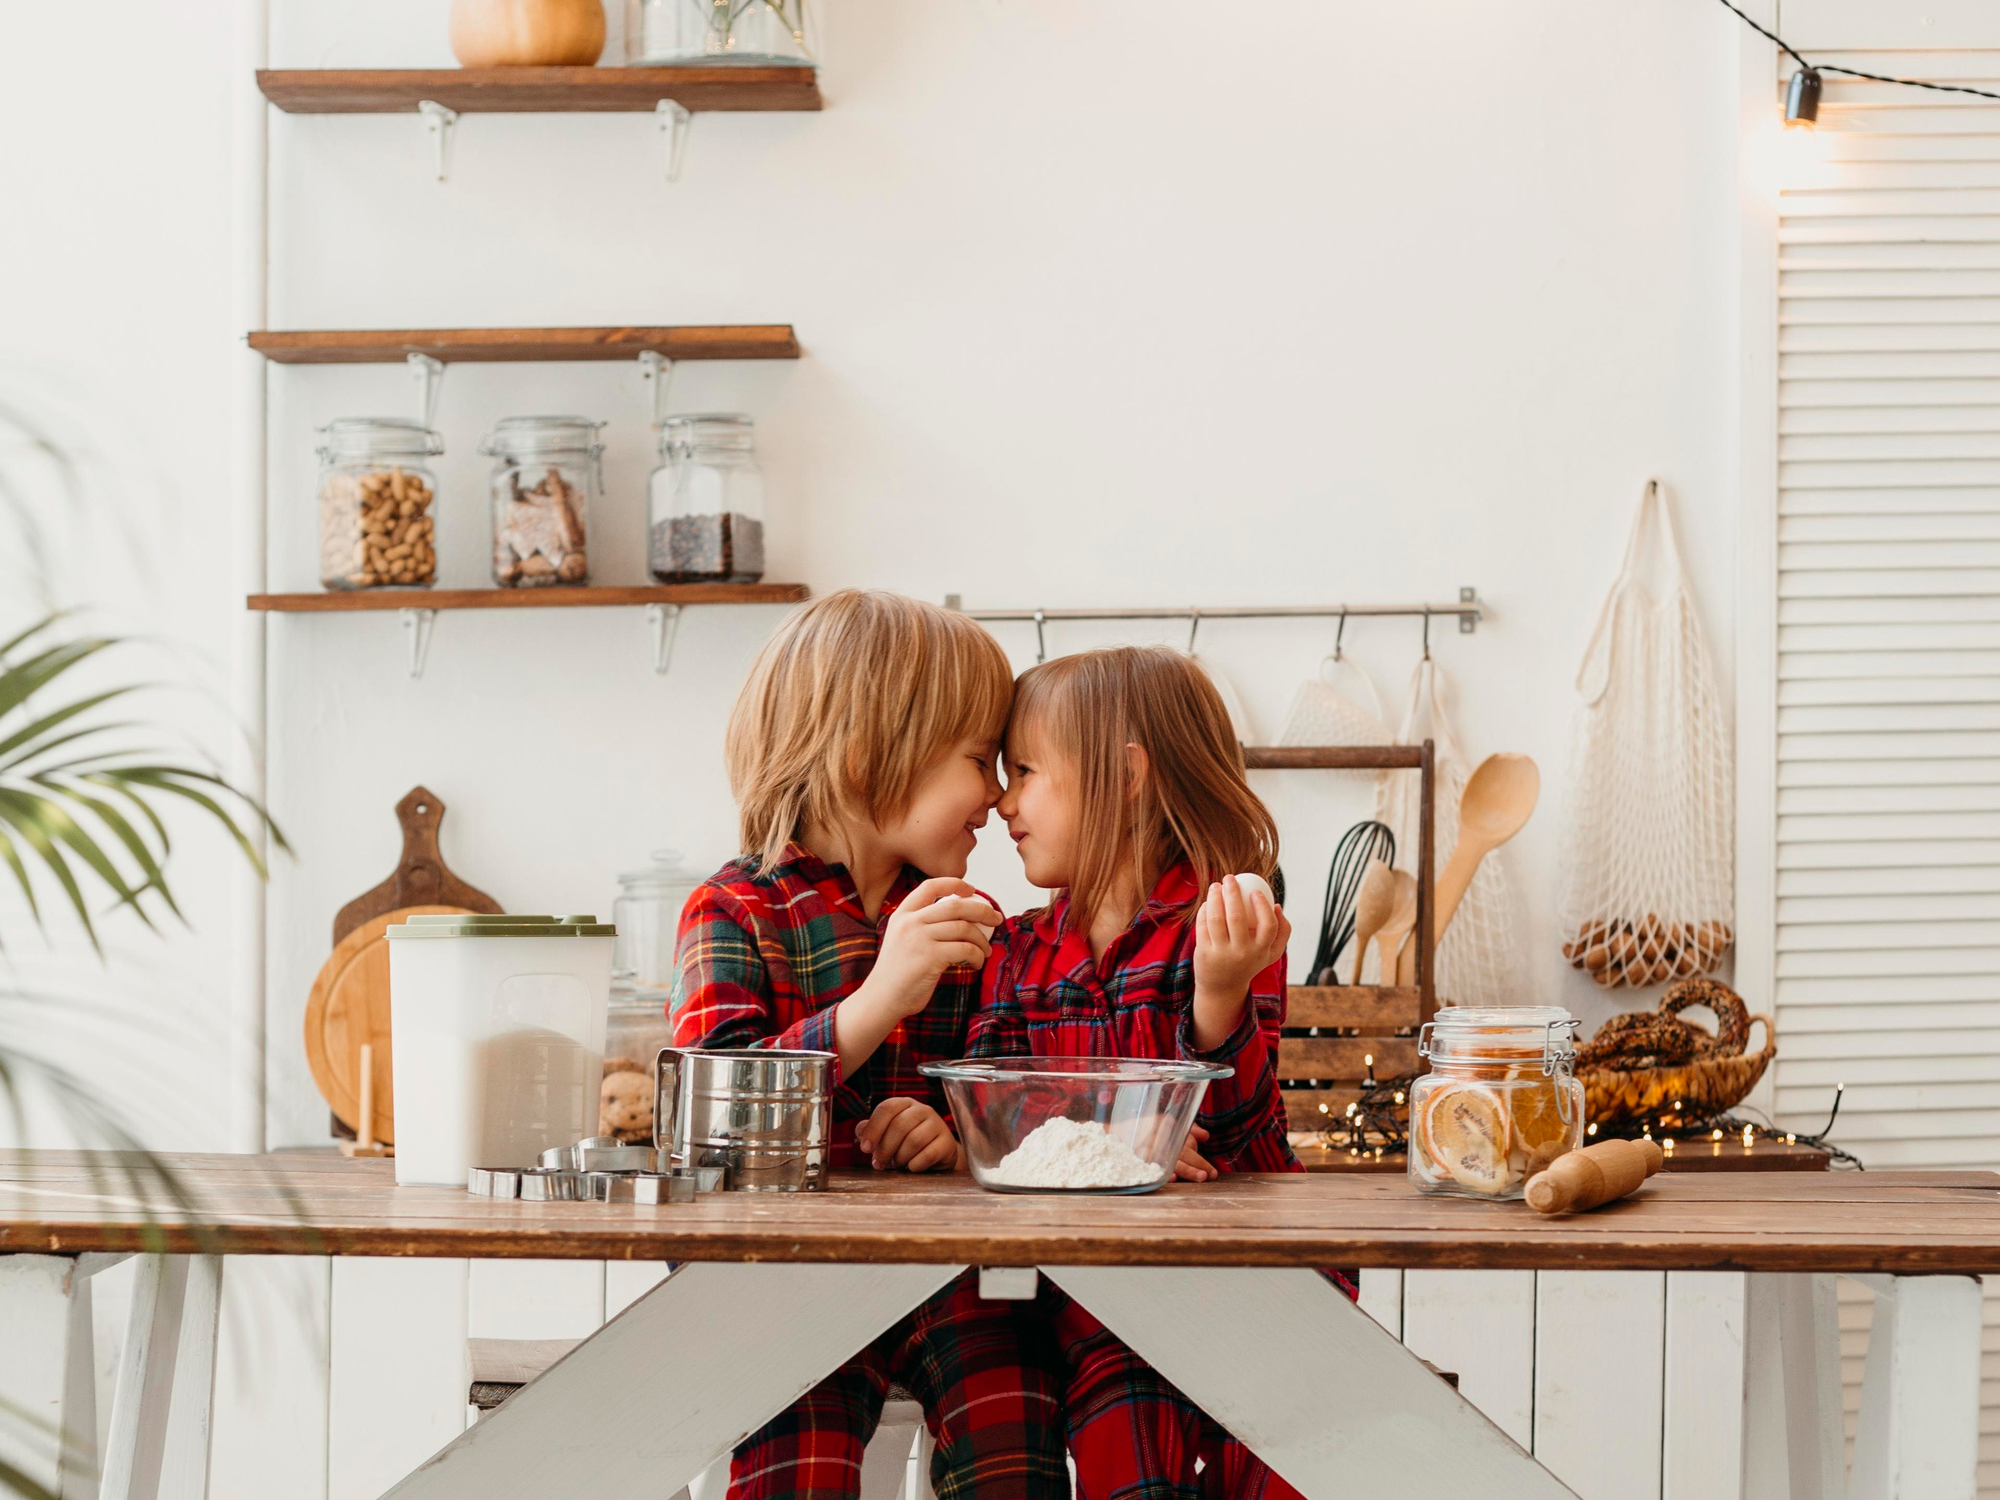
(1239, 932)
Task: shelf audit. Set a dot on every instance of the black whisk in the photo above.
(1359, 847)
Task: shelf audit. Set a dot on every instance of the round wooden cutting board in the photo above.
(349, 1005)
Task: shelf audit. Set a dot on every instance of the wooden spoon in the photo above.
(1374, 903)
(1499, 799)
(1401, 919)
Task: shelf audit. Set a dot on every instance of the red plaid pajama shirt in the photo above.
(762, 961)
(1134, 1436)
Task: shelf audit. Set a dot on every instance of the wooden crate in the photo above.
(1322, 1074)
(1332, 1030)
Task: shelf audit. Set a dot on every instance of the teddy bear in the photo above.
(625, 1106)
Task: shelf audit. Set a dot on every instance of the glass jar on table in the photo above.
(647, 915)
(545, 474)
(1500, 1102)
(706, 501)
(377, 504)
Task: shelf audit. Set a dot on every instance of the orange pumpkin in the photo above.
(527, 33)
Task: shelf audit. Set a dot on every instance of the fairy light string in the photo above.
(1814, 69)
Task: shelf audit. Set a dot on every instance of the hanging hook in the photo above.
(1427, 633)
(1041, 640)
(1194, 628)
(1340, 633)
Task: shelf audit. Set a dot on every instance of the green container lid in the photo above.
(481, 925)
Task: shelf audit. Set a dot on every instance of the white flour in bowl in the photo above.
(1064, 1153)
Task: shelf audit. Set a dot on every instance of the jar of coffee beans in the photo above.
(377, 504)
(706, 503)
(544, 477)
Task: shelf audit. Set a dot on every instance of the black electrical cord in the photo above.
(1811, 67)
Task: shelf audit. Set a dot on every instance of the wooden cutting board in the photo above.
(420, 877)
(349, 1003)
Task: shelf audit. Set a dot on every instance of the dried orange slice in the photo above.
(1466, 1133)
(1536, 1116)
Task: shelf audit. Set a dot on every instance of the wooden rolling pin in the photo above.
(1594, 1176)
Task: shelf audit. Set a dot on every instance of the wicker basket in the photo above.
(1705, 1085)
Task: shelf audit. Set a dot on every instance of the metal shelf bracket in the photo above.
(438, 121)
(428, 373)
(674, 121)
(658, 373)
(417, 625)
(665, 623)
(1469, 621)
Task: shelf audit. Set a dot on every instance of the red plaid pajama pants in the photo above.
(1133, 1435)
(992, 1397)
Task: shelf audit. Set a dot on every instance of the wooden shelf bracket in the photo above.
(438, 121)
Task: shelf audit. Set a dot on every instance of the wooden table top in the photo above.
(298, 1204)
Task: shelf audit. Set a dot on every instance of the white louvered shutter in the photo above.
(1888, 854)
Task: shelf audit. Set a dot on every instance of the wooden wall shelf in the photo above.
(363, 346)
(600, 90)
(333, 602)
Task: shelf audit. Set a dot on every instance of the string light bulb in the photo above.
(1802, 100)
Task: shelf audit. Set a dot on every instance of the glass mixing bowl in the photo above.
(1073, 1124)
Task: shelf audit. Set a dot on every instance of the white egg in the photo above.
(1249, 883)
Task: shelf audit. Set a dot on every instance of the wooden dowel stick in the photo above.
(364, 1135)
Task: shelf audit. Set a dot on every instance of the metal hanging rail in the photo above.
(1467, 612)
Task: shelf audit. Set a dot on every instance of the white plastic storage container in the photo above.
(497, 1027)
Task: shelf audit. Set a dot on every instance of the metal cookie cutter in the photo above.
(493, 1182)
(547, 1185)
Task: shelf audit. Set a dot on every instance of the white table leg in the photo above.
(140, 1401)
(48, 1407)
(1918, 1438)
(161, 1409)
(191, 1408)
(1792, 1427)
(1313, 1385)
(616, 1417)
(885, 1465)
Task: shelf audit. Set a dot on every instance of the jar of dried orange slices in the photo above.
(1500, 1102)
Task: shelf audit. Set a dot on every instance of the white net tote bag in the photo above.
(1478, 962)
(1323, 712)
(1648, 890)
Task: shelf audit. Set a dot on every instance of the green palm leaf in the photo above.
(81, 806)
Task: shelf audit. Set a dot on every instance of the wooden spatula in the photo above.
(1374, 904)
(1401, 919)
(1499, 799)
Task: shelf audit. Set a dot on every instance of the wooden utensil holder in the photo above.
(1331, 1030)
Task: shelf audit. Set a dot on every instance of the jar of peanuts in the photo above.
(544, 478)
(1500, 1102)
(377, 504)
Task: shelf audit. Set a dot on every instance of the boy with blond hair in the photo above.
(863, 754)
